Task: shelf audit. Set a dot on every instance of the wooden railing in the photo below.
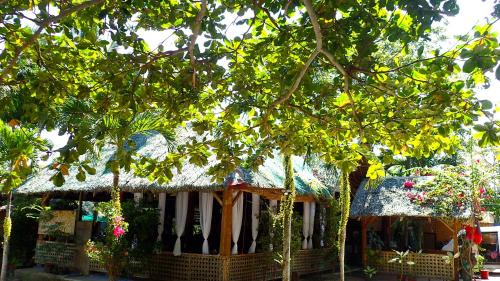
(198, 267)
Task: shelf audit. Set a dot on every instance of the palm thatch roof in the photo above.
(191, 177)
(389, 199)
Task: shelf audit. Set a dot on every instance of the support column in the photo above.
(225, 233)
(364, 241)
(227, 217)
(456, 263)
(161, 206)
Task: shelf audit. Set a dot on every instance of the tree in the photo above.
(19, 150)
(302, 76)
(103, 130)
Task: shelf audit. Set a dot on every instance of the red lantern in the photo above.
(478, 237)
(469, 232)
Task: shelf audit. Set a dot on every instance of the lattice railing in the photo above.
(426, 265)
(57, 253)
(195, 267)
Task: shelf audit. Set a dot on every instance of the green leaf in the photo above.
(497, 73)
(469, 65)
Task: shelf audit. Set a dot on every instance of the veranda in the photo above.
(227, 213)
(390, 221)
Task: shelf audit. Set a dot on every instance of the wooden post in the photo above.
(225, 233)
(455, 249)
(80, 205)
(364, 242)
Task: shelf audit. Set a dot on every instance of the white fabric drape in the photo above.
(273, 208)
(161, 219)
(181, 208)
(305, 224)
(206, 207)
(137, 198)
(312, 212)
(237, 218)
(255, 221)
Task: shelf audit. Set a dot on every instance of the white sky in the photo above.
(472, 12)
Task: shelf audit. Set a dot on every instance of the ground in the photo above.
(36, 274)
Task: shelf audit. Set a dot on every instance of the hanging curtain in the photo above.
(305, 224)
(137, 198)
(236, 220)
(273, 207)
(181, 208)
(255, 221)
(161, 219)
(312, 212)
(206, 207)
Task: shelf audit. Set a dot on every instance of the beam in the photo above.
(240, 193)
(217, 197)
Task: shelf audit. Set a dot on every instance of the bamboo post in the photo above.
(364, 242)
(455, 250)
(225, 234)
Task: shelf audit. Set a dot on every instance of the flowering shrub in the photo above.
(112, 252)
(451, 189)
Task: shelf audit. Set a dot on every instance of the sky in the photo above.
(472, 12)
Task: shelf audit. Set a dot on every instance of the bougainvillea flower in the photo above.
(118, 219)
(482, 191)
(408, 184)
(410, 195)
(118, 231)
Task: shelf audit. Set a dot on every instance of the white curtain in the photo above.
(206, 207)
(305, 224)
(273, 208)
(255, 221)
(161, 219)
(237, 218)
(137, 198)
(312, 212)
(181, 208)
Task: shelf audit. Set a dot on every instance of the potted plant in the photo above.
(369, 272)
(479, 268)
(402, 258)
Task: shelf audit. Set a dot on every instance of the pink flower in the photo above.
(410, 195)
(478, 161)
(461, 174)
(118, 231)
(118, 219)
(408, 184)
(482, 191)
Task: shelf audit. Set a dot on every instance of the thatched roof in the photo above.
(389, 199)
(191, 177)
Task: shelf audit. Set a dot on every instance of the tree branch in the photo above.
(294, 87)
(44, 24)
(196, 33)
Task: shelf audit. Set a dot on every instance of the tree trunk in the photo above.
(115, 194)
(345, 206)
(342, 254)
(6, 238)
(286, 209)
